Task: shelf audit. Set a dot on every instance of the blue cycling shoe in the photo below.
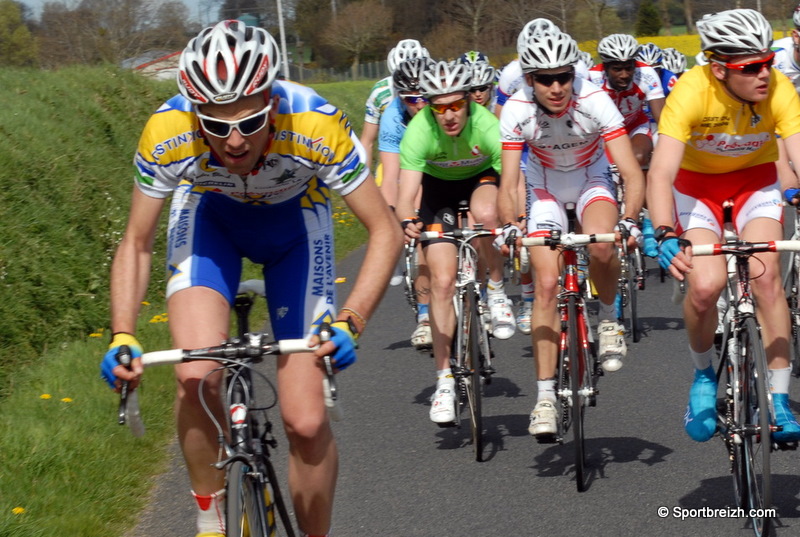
(700, 420)
(785, 419)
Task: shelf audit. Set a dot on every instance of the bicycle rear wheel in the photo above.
(756, 418)
(472, 373)
(580, 381)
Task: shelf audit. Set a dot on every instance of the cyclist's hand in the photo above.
(113, 371)
(507, 238)
(674, 254)
(629, 230)
(412, 227)
(343, 353)
(792, 196)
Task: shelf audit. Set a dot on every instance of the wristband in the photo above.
(661, 231)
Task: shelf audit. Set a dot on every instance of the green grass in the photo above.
(66, 467)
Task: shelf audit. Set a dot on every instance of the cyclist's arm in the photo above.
(621, 152)
(369, 134)
(509, 186)
(383, 248)
(390, 164)
(410, 183)
(656, 106)
(130, 270)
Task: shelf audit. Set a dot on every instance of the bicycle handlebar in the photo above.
(464, 234)
(746, 248)
(569, 239)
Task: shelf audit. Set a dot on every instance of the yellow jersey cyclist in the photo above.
(249, 163)
(566, 121)
(452, 151)
(717, 142)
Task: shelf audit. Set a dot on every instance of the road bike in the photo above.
(632, 277)
(471, 359)
(410, 272)
(745, 412)
(255, 505)
(578, 368)
(791, 285)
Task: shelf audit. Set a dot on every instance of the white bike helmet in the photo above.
(587, 59)
(406, 49)
(548, 51)
(734, 32)
(673, 60)
(651, 54)
(442, 78)
(617, 48)
(406, 76)
(482, 74)
(534, 28)
(226, 62)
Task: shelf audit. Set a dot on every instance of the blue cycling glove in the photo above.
(110, 358)
(346, 346)
(791, 195)
(669, 248)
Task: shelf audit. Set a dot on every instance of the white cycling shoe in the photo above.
(443, 407)
(503, 325)
(612, 345)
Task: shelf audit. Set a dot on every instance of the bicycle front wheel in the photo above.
(792, 288)
(580, 384)
(755, 417)
(629, 289)
(472, 373)
(249, 511)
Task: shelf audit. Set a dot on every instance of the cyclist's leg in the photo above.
(483, 207)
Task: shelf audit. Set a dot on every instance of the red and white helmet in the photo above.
(226, 62)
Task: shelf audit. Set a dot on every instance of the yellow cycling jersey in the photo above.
(722, 134)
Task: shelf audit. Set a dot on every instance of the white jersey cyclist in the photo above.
(565, 142)
(645, 86)
(379, 98)
(784, 60)
(290, 185)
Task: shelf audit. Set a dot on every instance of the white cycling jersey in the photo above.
(511, 79)
(784, 60)
(565, 142)
(646, 86)
(379, 98)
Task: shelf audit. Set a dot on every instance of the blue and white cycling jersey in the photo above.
(393, 126)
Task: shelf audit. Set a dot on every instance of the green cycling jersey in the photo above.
(426, 148)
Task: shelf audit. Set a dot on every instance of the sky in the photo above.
(201, 10)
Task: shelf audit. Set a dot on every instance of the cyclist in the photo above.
(242, 154)
(566, 121)
(717, 142)
(632, 85)
(483, 79)
(382, 92)
(674, 61)
(651, 55)
(787, 51)
(451, 150)
(399, 112)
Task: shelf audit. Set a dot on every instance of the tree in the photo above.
(360, 26)
(648, 21)
(18, 47)
(663, 8)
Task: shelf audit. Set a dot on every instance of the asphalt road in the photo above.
(402, 476)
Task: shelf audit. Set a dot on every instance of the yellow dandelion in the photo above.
(341, 221)
(18, 510)
(145, 303)
(66, 400)
(45, 396)
(96, 334)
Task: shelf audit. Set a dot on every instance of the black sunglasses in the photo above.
(480, 89)
(549, 80)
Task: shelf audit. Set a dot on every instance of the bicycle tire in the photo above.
(733, 419)
(791, 288)
(410, 272)
(633, 302)
(472, 373)
(579, 375)
(249, 511)
(757, 443)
